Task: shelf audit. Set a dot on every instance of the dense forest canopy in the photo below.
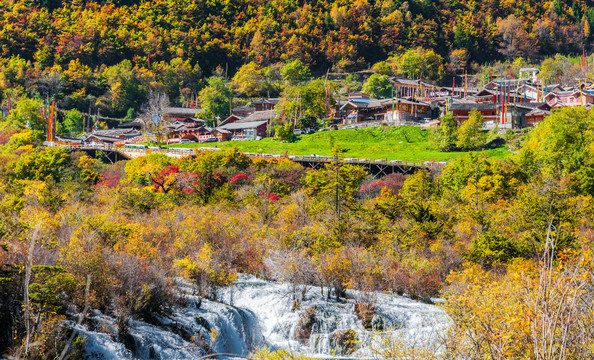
(341, 35)
(106, 57)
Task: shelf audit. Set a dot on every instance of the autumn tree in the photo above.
(215, 100)
(444, 137)
(420, 62)
(313, 99)
(294, 72)
(559, 147)
(125, 89)
(73, 123)
(141, 170)
(249, 80)
(176, 75)
(515, 39)
(338, 182)
(43, 164)
(378, 86)
(205, 271)
(26, 114)
(470, 135)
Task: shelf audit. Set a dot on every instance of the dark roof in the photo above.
(409, 82)
(358, 103)
(172, 111)
(471, 106)
(485, 92)
(243, 109)
(530, 105)
(535, 112)
(130, 124)
(184, 127)
(242, 125)
(108, 139)
(258, 116)
(68, 139)
(231, 118)
(374, 103)
(222, 131)
(357, 95)
(271, 101)
(116, 133)
(555, 87)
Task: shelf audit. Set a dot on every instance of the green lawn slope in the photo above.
(393, 143)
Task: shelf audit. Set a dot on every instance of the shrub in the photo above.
(111, 175)
(365, 310)
(305, 325)
(490, 247)
(443, 138)
(344, 341)
(273, 197)
(206, 271)
(470, 135)
(394, 182)
(45, 164)
(239, 179)
(140, 288)
(284, 133)
(206, 184)
(290, 177)
(370, 188)
(141, 170)
(222, 194)
(229, 161)
(265, 354)
(138, 200)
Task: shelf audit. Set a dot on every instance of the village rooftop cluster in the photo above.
(503, 103)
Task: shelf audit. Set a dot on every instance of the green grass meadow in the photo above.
(408, 143)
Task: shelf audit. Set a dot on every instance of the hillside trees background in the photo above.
(107, 56)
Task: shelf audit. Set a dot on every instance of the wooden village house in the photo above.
(251, 127)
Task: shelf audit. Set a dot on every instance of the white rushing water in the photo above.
(258, 313)
(403, 319)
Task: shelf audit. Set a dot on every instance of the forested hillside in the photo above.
(108, 56)
(341, 34)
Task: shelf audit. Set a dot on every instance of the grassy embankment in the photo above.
(408, 143)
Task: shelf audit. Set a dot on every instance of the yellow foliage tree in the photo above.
(204, 271)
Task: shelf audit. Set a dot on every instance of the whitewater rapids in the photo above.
(254, 313)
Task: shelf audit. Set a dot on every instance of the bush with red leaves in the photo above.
(394, 182)
(273, 197)
(370, 188)
(110, 177)
(239, 179)
(206, 183)
(289, 177)
(199, 184)
(418, 283)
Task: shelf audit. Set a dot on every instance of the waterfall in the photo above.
(273, 305)
(256, 313)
